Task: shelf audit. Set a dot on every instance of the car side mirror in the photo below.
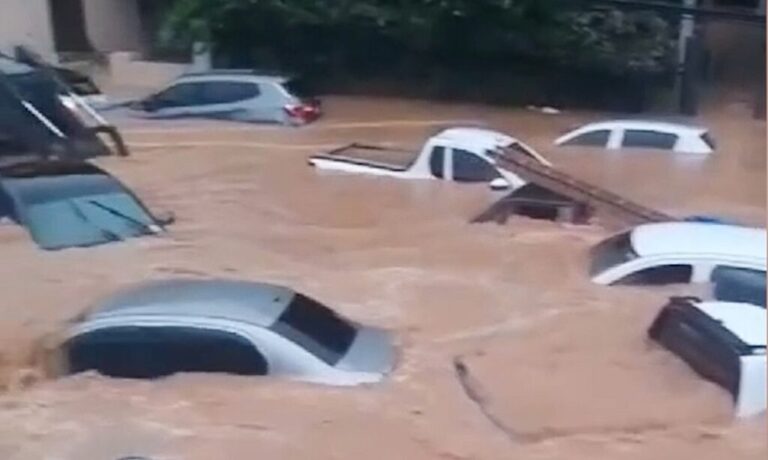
(149, 104)
(499, 184)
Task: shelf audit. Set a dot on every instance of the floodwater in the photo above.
(558, 368)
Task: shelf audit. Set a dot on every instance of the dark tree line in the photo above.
(414, 37)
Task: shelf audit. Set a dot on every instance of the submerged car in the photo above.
(234, 95)
(623, 134)
(676, 252)
(160, 328)
(65, 204)
(724, 342)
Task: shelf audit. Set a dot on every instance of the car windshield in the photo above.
(316, 328)
(611, 252)
(87, 209)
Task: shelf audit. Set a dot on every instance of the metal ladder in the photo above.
(607, 204)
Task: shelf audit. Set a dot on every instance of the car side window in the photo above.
(659, 275)
(180, 95)
(151, 352)
(468, 167)
(437, 161)
(641, 138)
(739, 285)
(597, 138)
(224, 92)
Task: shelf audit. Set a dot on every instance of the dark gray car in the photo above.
(238, 327)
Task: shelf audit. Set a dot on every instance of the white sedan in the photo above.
(623, 134)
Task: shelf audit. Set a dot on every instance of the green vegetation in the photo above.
(379, 34)
(520, 51)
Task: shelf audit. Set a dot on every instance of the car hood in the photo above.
(372, 351)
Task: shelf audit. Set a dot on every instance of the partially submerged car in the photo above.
(160, 328)
(644, 134)
(67, 204)
(238, 95)
(676, 252)
(464, 154)
(724, 342)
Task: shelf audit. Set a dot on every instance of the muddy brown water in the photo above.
(561, 365)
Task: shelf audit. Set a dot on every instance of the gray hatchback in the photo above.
(234, 95)
(163, 327)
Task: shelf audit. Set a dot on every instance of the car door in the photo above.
(178, 100)
(231, 100)
(158, 351)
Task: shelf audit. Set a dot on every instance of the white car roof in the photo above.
(213, 76)
(746, 321)
(477, 136)
(700, 238)
(650, 125)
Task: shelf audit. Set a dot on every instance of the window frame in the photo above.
(648, 132)
(572, 142)
(632, 277)
(456, 153)
(206, 99)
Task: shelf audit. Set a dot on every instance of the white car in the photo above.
(723, 342)
(622, 134)
(160, 328)
(676, 252)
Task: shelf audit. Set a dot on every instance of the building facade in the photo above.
(57, 28)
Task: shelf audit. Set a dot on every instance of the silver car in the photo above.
(234, 95)
(160, 328)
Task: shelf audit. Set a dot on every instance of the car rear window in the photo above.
(611, 252)
(316, 328)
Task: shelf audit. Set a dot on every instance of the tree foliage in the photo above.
(361, 35)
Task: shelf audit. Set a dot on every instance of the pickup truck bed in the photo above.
(392, 159)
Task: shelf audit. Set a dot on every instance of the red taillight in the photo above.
(303, 112)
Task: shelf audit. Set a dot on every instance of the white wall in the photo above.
(112, 25)
(26, 22)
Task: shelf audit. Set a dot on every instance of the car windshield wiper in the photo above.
(147, 229)
(107, 234)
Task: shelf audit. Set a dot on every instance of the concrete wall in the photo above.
(26, 22)
(127, 69)
(112, 25)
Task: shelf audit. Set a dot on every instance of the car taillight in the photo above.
(304, 112)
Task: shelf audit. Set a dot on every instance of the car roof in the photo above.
(650, 125)
(746, 321)
(699, 238)
(242, 301)
(476, 136)
(234, 75)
